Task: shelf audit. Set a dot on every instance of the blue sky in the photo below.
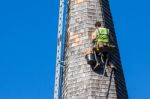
(28, 35)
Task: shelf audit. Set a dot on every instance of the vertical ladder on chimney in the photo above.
(59, 51)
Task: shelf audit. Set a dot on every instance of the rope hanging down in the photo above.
(104, 71)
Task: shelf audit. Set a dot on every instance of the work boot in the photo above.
(112, 66)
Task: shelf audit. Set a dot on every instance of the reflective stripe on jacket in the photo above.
(102, 35)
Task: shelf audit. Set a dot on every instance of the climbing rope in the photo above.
(111, 72)
(109, 83)
(105, 66)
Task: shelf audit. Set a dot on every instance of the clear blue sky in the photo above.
(28, 35)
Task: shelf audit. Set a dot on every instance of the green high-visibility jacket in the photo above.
(102, 35)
